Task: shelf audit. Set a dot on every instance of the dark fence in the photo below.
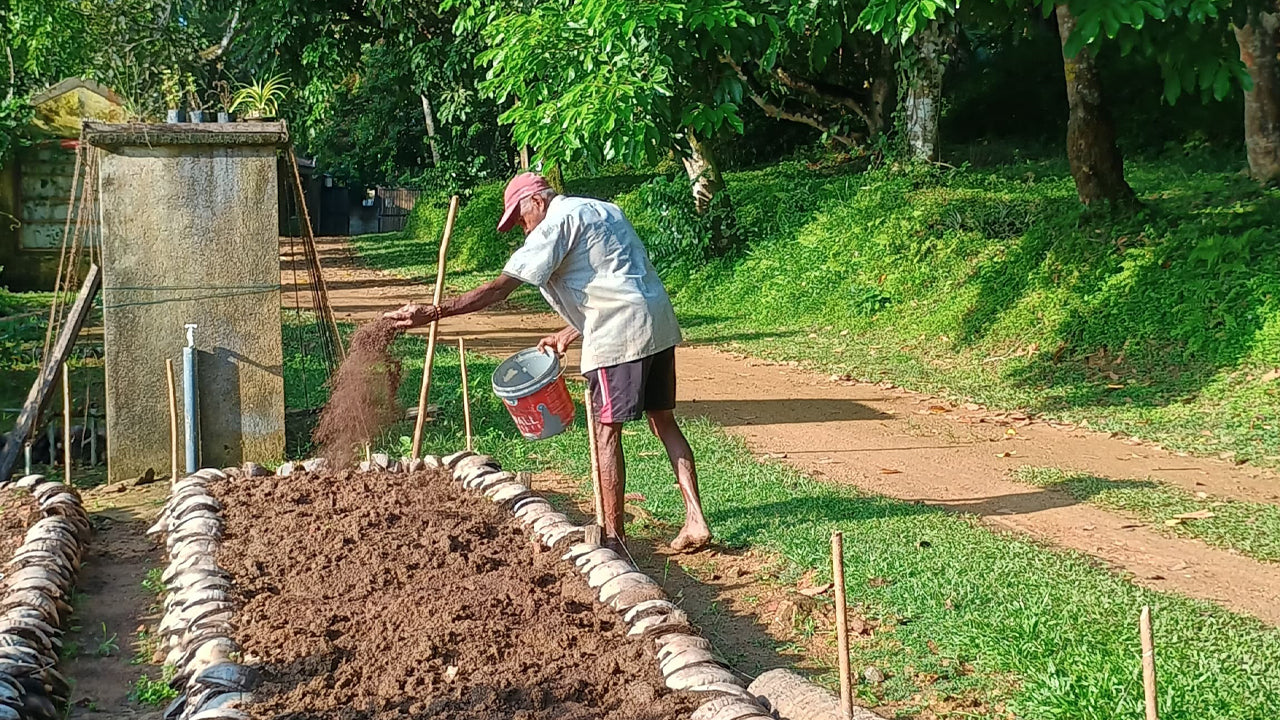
(394, 208)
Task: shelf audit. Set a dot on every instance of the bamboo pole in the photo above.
(431, 334)
(173, 420)
(309, 240)
(596, 492)
(1148, 663)
(66, 424)
(466, 392)
(842, 624)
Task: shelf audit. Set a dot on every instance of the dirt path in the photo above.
(111, 604)
(933, 453)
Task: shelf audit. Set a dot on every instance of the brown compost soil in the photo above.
(362, 394)
(389, 595)
(18, 511)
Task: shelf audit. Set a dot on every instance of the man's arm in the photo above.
(492, 292)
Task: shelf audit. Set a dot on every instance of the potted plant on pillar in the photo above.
(171, 89)
(260, 100)
(196, 112)
(222, 89)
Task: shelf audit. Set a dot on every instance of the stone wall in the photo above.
(189, 236)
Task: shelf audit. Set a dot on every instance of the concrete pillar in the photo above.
(189, 217)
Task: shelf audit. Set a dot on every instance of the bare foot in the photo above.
(691, 539)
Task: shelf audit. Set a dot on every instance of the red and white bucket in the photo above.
(532, 387)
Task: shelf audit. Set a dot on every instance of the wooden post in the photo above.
(431, 334)
(173, 420)
(1148, 663)
(42, 389)
(596, 492)
(842, 624)
(66, 424)
(466, 392)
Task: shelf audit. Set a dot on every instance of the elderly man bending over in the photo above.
(590, 265)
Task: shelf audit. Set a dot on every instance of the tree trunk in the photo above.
(1096, 164)
(429, 118)
(1259, 41)
(924, 93)
(883, 90)
(707, 185)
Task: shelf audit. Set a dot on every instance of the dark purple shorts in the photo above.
(625, 392)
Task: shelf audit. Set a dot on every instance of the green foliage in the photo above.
(603, 80)
(154, 693)
(260, 98)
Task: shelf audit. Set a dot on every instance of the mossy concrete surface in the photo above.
(189, 236)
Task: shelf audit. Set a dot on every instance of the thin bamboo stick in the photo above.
(431, 334)
(173, 420)
(66, 425)
(1148, 663)
(842, 624)
(596, 491)
(466, 393)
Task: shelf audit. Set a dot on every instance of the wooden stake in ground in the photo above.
(466, 393)
(431, 334)
(66, 425)
(596, 492)
(173, 420)
(42, 389)
(842, 624)
(1148, 663)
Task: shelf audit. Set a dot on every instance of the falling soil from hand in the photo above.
(362, 395)
(386, 595)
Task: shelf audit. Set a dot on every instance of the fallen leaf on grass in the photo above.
(1114, 386)
(1010, 432)
(878, 582)
(816, 591)
(635, 497)
(1270, 375)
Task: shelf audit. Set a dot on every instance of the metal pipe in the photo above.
(190, 401)
(26, 452)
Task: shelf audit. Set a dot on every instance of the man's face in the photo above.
(532, 211)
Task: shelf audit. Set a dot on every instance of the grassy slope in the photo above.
(983, 284)
(964, 611)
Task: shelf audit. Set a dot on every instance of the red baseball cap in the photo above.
(522, 186)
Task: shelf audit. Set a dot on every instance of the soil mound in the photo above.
(389, 595)
(362, 395)
(18, 512)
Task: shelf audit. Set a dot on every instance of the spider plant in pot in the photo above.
(260, 100)
(222, 90)
(195, 113)
(171, 89)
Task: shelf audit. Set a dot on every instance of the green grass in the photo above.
(1046, 633)
(1251, 528)
(983, 284)
(154, 693)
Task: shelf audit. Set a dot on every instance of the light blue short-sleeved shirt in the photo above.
(590, 265)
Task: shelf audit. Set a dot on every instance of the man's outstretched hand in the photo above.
(412, 315)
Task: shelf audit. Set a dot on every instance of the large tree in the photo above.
(606, 80)
(1258, 35)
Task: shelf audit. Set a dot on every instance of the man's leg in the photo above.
(695, 532)
(613, 479)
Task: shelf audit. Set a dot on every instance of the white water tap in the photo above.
(191, 334)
